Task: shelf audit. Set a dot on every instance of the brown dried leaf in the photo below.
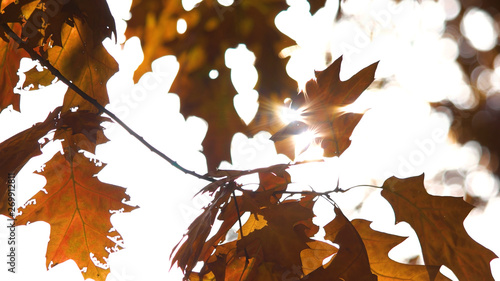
(438, 222)
(378, 245)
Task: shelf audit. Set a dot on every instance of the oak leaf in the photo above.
(321, 108)
(85, 62)
(77, 206)
(438, 222)
(378, 245)
(16, 151)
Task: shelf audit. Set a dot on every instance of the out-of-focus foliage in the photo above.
(211, 29)
(481, 70)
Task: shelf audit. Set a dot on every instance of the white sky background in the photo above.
(400, 135)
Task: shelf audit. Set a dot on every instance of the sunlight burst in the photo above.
(306, 147)
(288, 114)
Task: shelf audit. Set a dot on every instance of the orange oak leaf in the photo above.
(438, 222)
(320, 106)
(78, 208)
(83, 60)
(351, 261)
(378, 245)
(18, 149)
(10, 59)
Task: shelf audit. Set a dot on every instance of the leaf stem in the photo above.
(58, 74)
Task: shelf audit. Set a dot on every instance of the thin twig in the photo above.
(53, 70)
(324, 193)
(241, 225)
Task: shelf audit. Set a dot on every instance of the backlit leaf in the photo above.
(38, 78)
(86, 63)
(378, 245)
(77, 206)
(321, 108)
(438, 222)
(351, 261)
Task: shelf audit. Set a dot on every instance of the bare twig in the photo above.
(324, 193)
(55, 72)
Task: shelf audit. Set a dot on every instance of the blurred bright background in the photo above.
(430, 64)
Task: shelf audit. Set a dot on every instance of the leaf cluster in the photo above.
(278, 240)
(67, 36)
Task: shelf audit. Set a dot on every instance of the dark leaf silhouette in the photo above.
(321, 108)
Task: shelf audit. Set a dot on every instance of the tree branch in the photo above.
(55, 72)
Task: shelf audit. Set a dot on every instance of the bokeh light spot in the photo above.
(181, 26)
(213, 74)
(478, 26)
